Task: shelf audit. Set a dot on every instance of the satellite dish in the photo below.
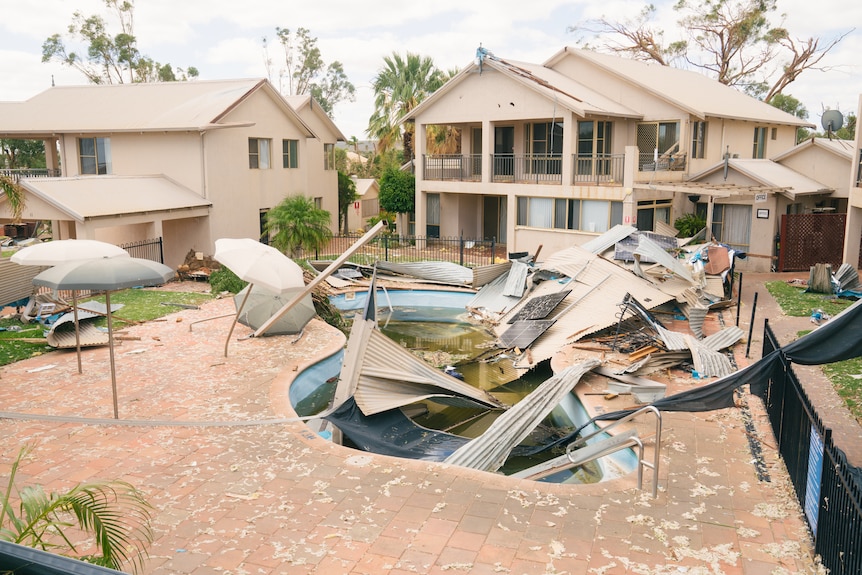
(832, 120)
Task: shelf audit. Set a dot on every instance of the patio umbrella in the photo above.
(107, 275)
(258, 264)
(58, 252)
(261, 304)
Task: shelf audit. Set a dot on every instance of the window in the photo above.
(652, 211)
(290, 153)
(318, 202)
(594, 142)
(432, 209)
(759, 149)
(328, 156)
(656, 139)
(698, 139)
(258, 154)
(731, 224)
(95, 155)
(569, 214)
(544, 144)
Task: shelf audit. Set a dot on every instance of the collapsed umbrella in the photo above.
(107, 275)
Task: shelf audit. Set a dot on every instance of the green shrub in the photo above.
(223, 279)
(689, 224)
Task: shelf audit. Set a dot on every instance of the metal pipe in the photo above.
(738, 296)
(751, 325)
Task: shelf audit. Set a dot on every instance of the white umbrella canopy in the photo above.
(58, 252)
(261, 304)
(106, 274)
(64, 251)
(258, 263)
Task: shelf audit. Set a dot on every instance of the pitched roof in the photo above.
(85, 197)
(153, 106)
(770, 174)
(700, 95)
(841, 148)
(299, 103)
(564, 91)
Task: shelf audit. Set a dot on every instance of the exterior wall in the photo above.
(853, 231)
(823, 166)
(320, 183)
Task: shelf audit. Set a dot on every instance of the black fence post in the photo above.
(386, 248)
(462, 249)
(493, 248)
(161, 251)
(751, 325)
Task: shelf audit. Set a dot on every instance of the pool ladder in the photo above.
(579, 452)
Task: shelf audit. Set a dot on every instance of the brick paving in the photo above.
(239, 488)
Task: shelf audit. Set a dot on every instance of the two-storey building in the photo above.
(189, 162)
(553, 154)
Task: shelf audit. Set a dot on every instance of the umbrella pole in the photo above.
(236, 319)
(77, 330)
(111, 347)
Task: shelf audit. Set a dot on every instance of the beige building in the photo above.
(366, 207)
(554, 154)
(189, 162)
(853, 232)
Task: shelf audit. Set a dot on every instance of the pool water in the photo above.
(439, 332)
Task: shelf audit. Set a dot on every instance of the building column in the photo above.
(487, 150)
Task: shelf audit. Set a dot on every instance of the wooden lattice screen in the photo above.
(808, 239)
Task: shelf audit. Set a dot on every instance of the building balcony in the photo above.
(19, 173)
(599, 169)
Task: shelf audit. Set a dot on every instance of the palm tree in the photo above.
(14, 195)
(399, 87)
(297, 224)
(114, 513)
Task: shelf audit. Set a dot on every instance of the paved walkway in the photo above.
(238, 490)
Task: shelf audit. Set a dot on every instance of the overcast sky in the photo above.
(223, 39)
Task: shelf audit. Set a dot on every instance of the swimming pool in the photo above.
(312, 389)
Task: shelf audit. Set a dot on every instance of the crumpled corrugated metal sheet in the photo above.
(443, 272)
(608, 239)
(708, 363)
(490, 300)
(598, 288)
(649, 249)
(489, 451)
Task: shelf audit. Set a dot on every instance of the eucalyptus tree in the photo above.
(110, 58)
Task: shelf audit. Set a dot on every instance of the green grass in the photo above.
(139, 305)
(794, 301)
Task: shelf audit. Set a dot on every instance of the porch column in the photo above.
(570, 134)
(51, 159)
(853, 231)
(487, 148)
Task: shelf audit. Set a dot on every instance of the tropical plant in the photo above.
(297, 224)
(115, 513)
(223, 279)
(14, 195)
(399, 87)
(689, 224)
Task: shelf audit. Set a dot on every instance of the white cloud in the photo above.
(223, 38)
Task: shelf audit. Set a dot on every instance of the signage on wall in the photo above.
(759, 198)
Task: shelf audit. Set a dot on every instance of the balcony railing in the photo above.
(527, 168)
(465, 168)
(18, 173)
(598, 169)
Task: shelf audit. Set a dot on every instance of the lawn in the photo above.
(139, 305)
(846, 376)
